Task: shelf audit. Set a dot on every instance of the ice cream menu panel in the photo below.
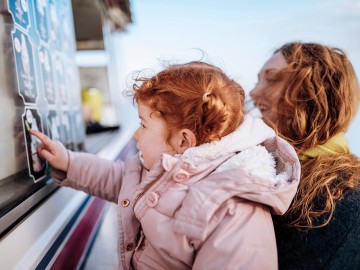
(40, 88)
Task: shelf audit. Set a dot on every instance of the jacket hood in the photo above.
(252, 163)
(243, 149)
(252, 132)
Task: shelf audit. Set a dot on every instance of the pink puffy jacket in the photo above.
(207, 209)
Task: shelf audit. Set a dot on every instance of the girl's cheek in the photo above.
(138, 145)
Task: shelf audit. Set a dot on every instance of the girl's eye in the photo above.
(142, 125)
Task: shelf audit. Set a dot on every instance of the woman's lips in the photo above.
(262, 107)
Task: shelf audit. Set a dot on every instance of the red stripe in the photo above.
(78, 242)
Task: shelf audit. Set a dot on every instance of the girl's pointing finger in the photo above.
(42, 137)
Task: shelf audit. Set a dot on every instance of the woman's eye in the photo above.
(272, 78)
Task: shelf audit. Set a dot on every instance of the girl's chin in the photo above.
(141, 158)
(142, 161)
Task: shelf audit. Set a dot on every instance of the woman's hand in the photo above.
(52, 151)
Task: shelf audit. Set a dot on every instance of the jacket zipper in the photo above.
(148, 186)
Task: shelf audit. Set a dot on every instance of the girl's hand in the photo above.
(52, 151)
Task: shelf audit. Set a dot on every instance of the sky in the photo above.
(238, 36)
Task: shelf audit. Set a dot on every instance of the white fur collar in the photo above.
(251, 132)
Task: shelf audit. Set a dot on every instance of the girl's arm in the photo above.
(52, 151)
(82, 171)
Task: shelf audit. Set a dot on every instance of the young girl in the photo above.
(200, 192)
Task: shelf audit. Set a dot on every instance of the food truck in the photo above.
(49, 83)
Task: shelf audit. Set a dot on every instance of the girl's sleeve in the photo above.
(244, 238)
(93, 175)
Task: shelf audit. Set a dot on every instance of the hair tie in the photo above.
(205, 96)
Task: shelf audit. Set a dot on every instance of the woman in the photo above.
(309, 93)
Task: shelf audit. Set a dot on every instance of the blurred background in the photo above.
(237, 36)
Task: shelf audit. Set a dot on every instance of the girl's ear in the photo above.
(186, 139)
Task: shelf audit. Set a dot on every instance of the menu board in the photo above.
(47, 87)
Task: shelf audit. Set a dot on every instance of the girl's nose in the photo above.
(136, 134)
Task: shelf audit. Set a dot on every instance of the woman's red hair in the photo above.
(320, 100)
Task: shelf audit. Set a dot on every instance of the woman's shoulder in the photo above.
(333, 246)
(351, 199)
(347, 210)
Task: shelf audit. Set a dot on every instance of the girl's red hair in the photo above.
(195, 96)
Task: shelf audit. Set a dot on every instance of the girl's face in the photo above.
(150, 136)
(267, 91)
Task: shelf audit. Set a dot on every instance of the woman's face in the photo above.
(267, 91)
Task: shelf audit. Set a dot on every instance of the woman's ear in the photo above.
(186, 139)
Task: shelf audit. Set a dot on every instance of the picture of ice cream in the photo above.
(34, 159)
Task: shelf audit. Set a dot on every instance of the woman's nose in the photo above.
(253, 90)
